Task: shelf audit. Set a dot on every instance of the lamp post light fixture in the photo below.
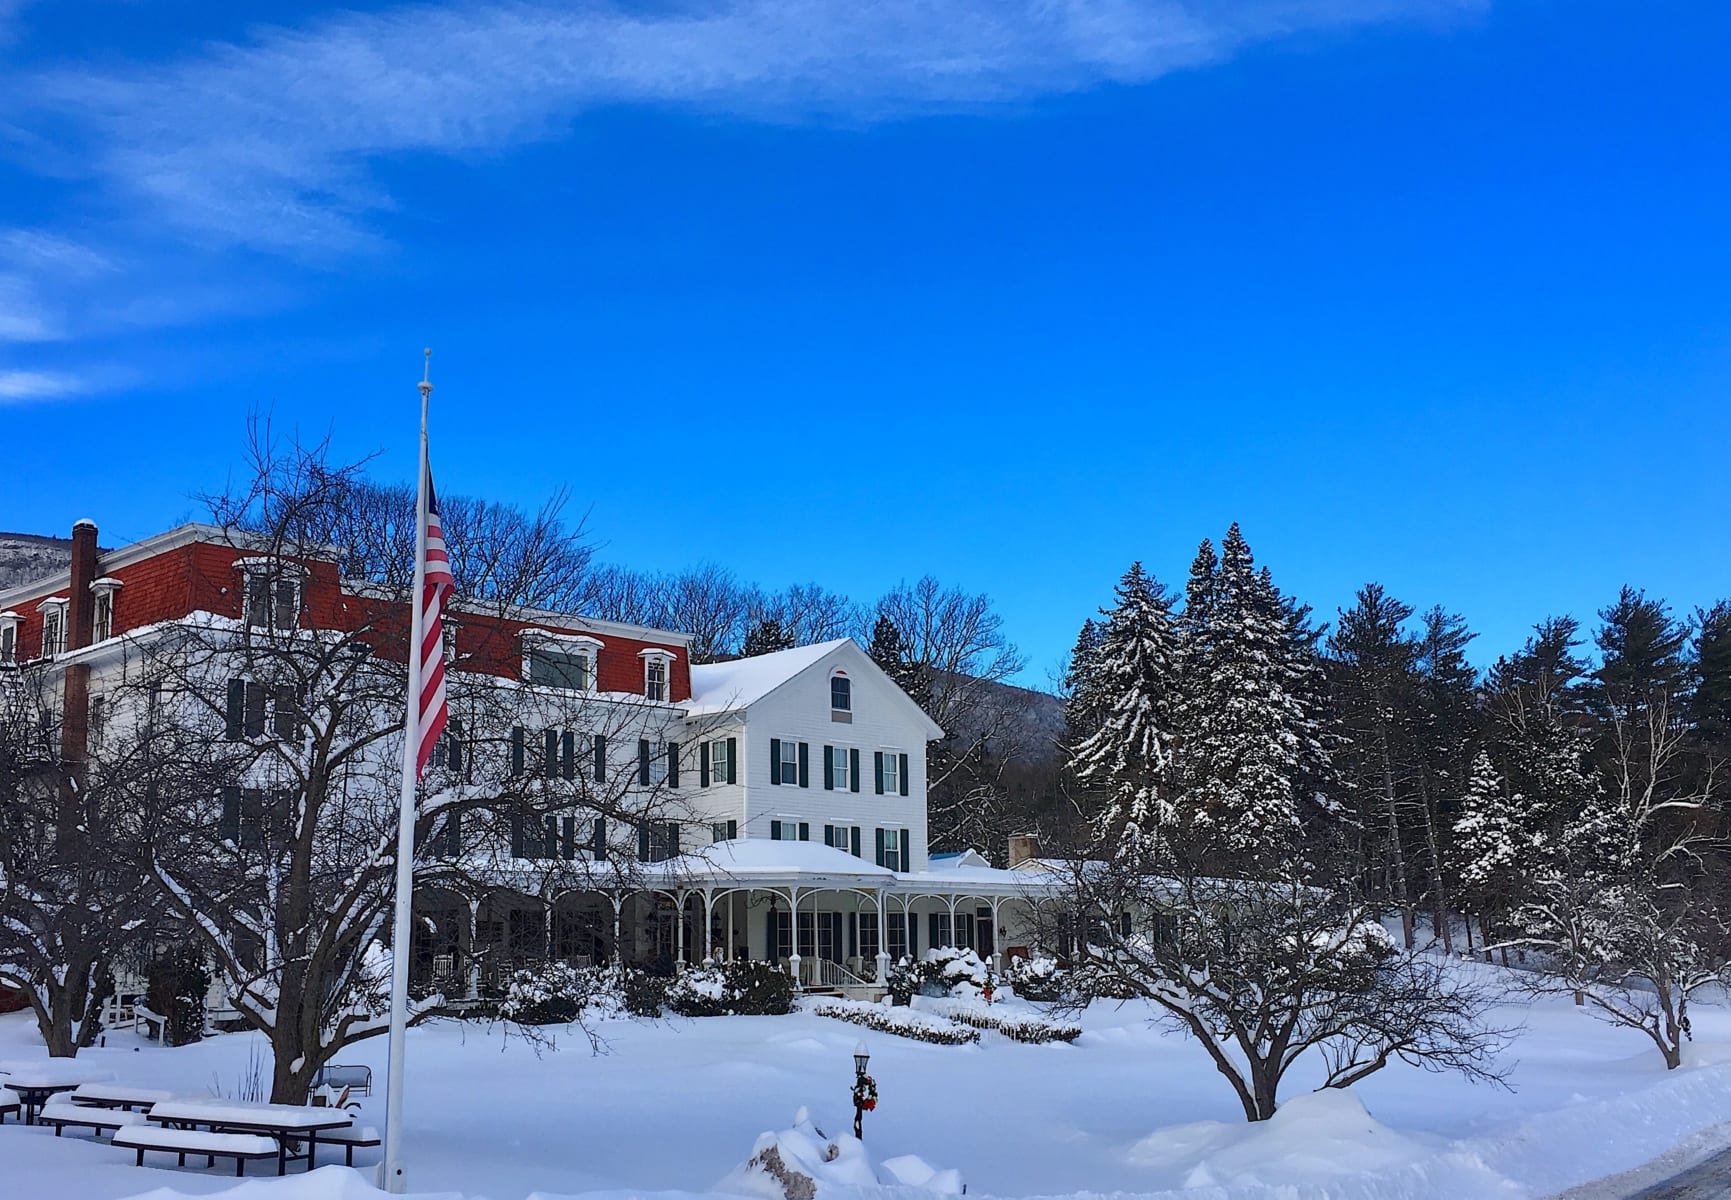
(865, 1090)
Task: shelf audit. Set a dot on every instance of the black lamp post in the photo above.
(865, 1091)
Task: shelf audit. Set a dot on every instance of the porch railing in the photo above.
(825, 972)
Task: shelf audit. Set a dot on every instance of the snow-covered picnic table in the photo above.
(36, 1080)
(118, 1095)
(280, 1121)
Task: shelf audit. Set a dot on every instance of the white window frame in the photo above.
(656, 659)
(718, 763)
(839, 768)
(10, 623)
(55, 609)
(892, 773)
(102, 608)
(579, 645)
(789, 744)
(843, 677)
(271, 572)
(657, 763)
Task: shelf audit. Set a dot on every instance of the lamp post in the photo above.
(865, 1090)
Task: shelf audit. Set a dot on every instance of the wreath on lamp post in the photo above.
(865, 1093)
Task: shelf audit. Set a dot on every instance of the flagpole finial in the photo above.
(427, 371)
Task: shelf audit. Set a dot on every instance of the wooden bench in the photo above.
(63, 1114)
(9, 1103)
(242, 1147)
(362, 1136)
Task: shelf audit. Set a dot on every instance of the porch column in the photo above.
(708, 933)
(618, 959)
(473, 974)
(997, 936)
(793, 922)
(548, 943)
(883, 941)
(953, 938)
(679, 930)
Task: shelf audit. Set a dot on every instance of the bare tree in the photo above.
(1263, 973)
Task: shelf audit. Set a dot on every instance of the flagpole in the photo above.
(391, 1169)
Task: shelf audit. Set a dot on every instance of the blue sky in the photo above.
(1428, 292)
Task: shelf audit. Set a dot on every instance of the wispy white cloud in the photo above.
(272, 143)
(24, 386)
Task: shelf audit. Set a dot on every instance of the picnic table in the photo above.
(118, 1095)
(34, 1081)
(283, 1122)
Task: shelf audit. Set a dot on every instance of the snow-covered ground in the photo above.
(678, 1106)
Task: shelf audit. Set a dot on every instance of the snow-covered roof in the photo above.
(763, 858)
(955, 859)
(725, 686)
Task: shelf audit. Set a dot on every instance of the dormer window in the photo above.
(102, 618)
(560, 661)
(9, 622)
(53, 627)
(272, 594)
(657, 665)
(840, 697)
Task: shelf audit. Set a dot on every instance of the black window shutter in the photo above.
(643, 843)
(229, 827)
(673, 839)
(672, 764)
(598, 839)
(854, 836)
(453, 833)
(454, 749)
(236, 721)
(732, 758)
(643, 766)
(732, 830)
(255, 710)
(568, 839)
(600, 758)
(517, 832)
(907, 852)
(568, 756)
(878, 763)
(516, 754)
(828, 769)
(853, 770)
(880, 859)
(804, 765)
(902, 774)
(932, 928)
(550, 753)
(775, 831)
(804, 832)
(550, 837)
(775, 760)
(703, 765)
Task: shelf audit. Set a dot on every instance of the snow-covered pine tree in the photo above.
(766, 637)
(1246, 739)
(889, 651)
(1083, 696)
(1492, 844)
(1134, 673)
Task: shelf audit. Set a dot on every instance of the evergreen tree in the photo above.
(1244, 735)
(1492, 842)
(1084, 698)
(889, 651)
(766, 637)
(1133, 674)
(1449, 735)
(1711, 711)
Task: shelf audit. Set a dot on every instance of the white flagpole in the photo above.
(391, 1169)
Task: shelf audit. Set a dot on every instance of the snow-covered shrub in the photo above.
(643, 994)
(1040, 979)
(759, 989)
(903, 981)
(745, 989)
(952, 972)
(175, 986)
(902, 1022)
(552, 993)
(1019, 1025)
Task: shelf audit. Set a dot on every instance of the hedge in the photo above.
(902, 1022)
(1017, 1025)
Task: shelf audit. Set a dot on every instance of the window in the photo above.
(273, 601)
(253, 709)
(789, 771)
(655, 678)
(724, 831)
(894, 848)
(842, 837)
(53, 628)
(102, 618)
(568, 670)
(9, 638)
(836, 772)
(657, 841)
(840, 693)
(891, 783)
(715, 762)
(789, 831)
(98, 719)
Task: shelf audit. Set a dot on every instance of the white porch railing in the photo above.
(823, 972)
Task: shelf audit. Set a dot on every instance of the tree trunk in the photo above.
(1396, 853)
(1438, 889)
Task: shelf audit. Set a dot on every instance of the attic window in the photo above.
(53, 627)
(102, 620)
(657, 664)
(564, 662)
(840, 693)
(9, 622)
(272, 594)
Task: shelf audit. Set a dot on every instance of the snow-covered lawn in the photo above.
(677, 1105)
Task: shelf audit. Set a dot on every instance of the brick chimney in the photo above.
(1023, 848)
(81, 601)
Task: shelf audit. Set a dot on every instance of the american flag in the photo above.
(437, 585)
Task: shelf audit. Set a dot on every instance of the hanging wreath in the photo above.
(865, 1093)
